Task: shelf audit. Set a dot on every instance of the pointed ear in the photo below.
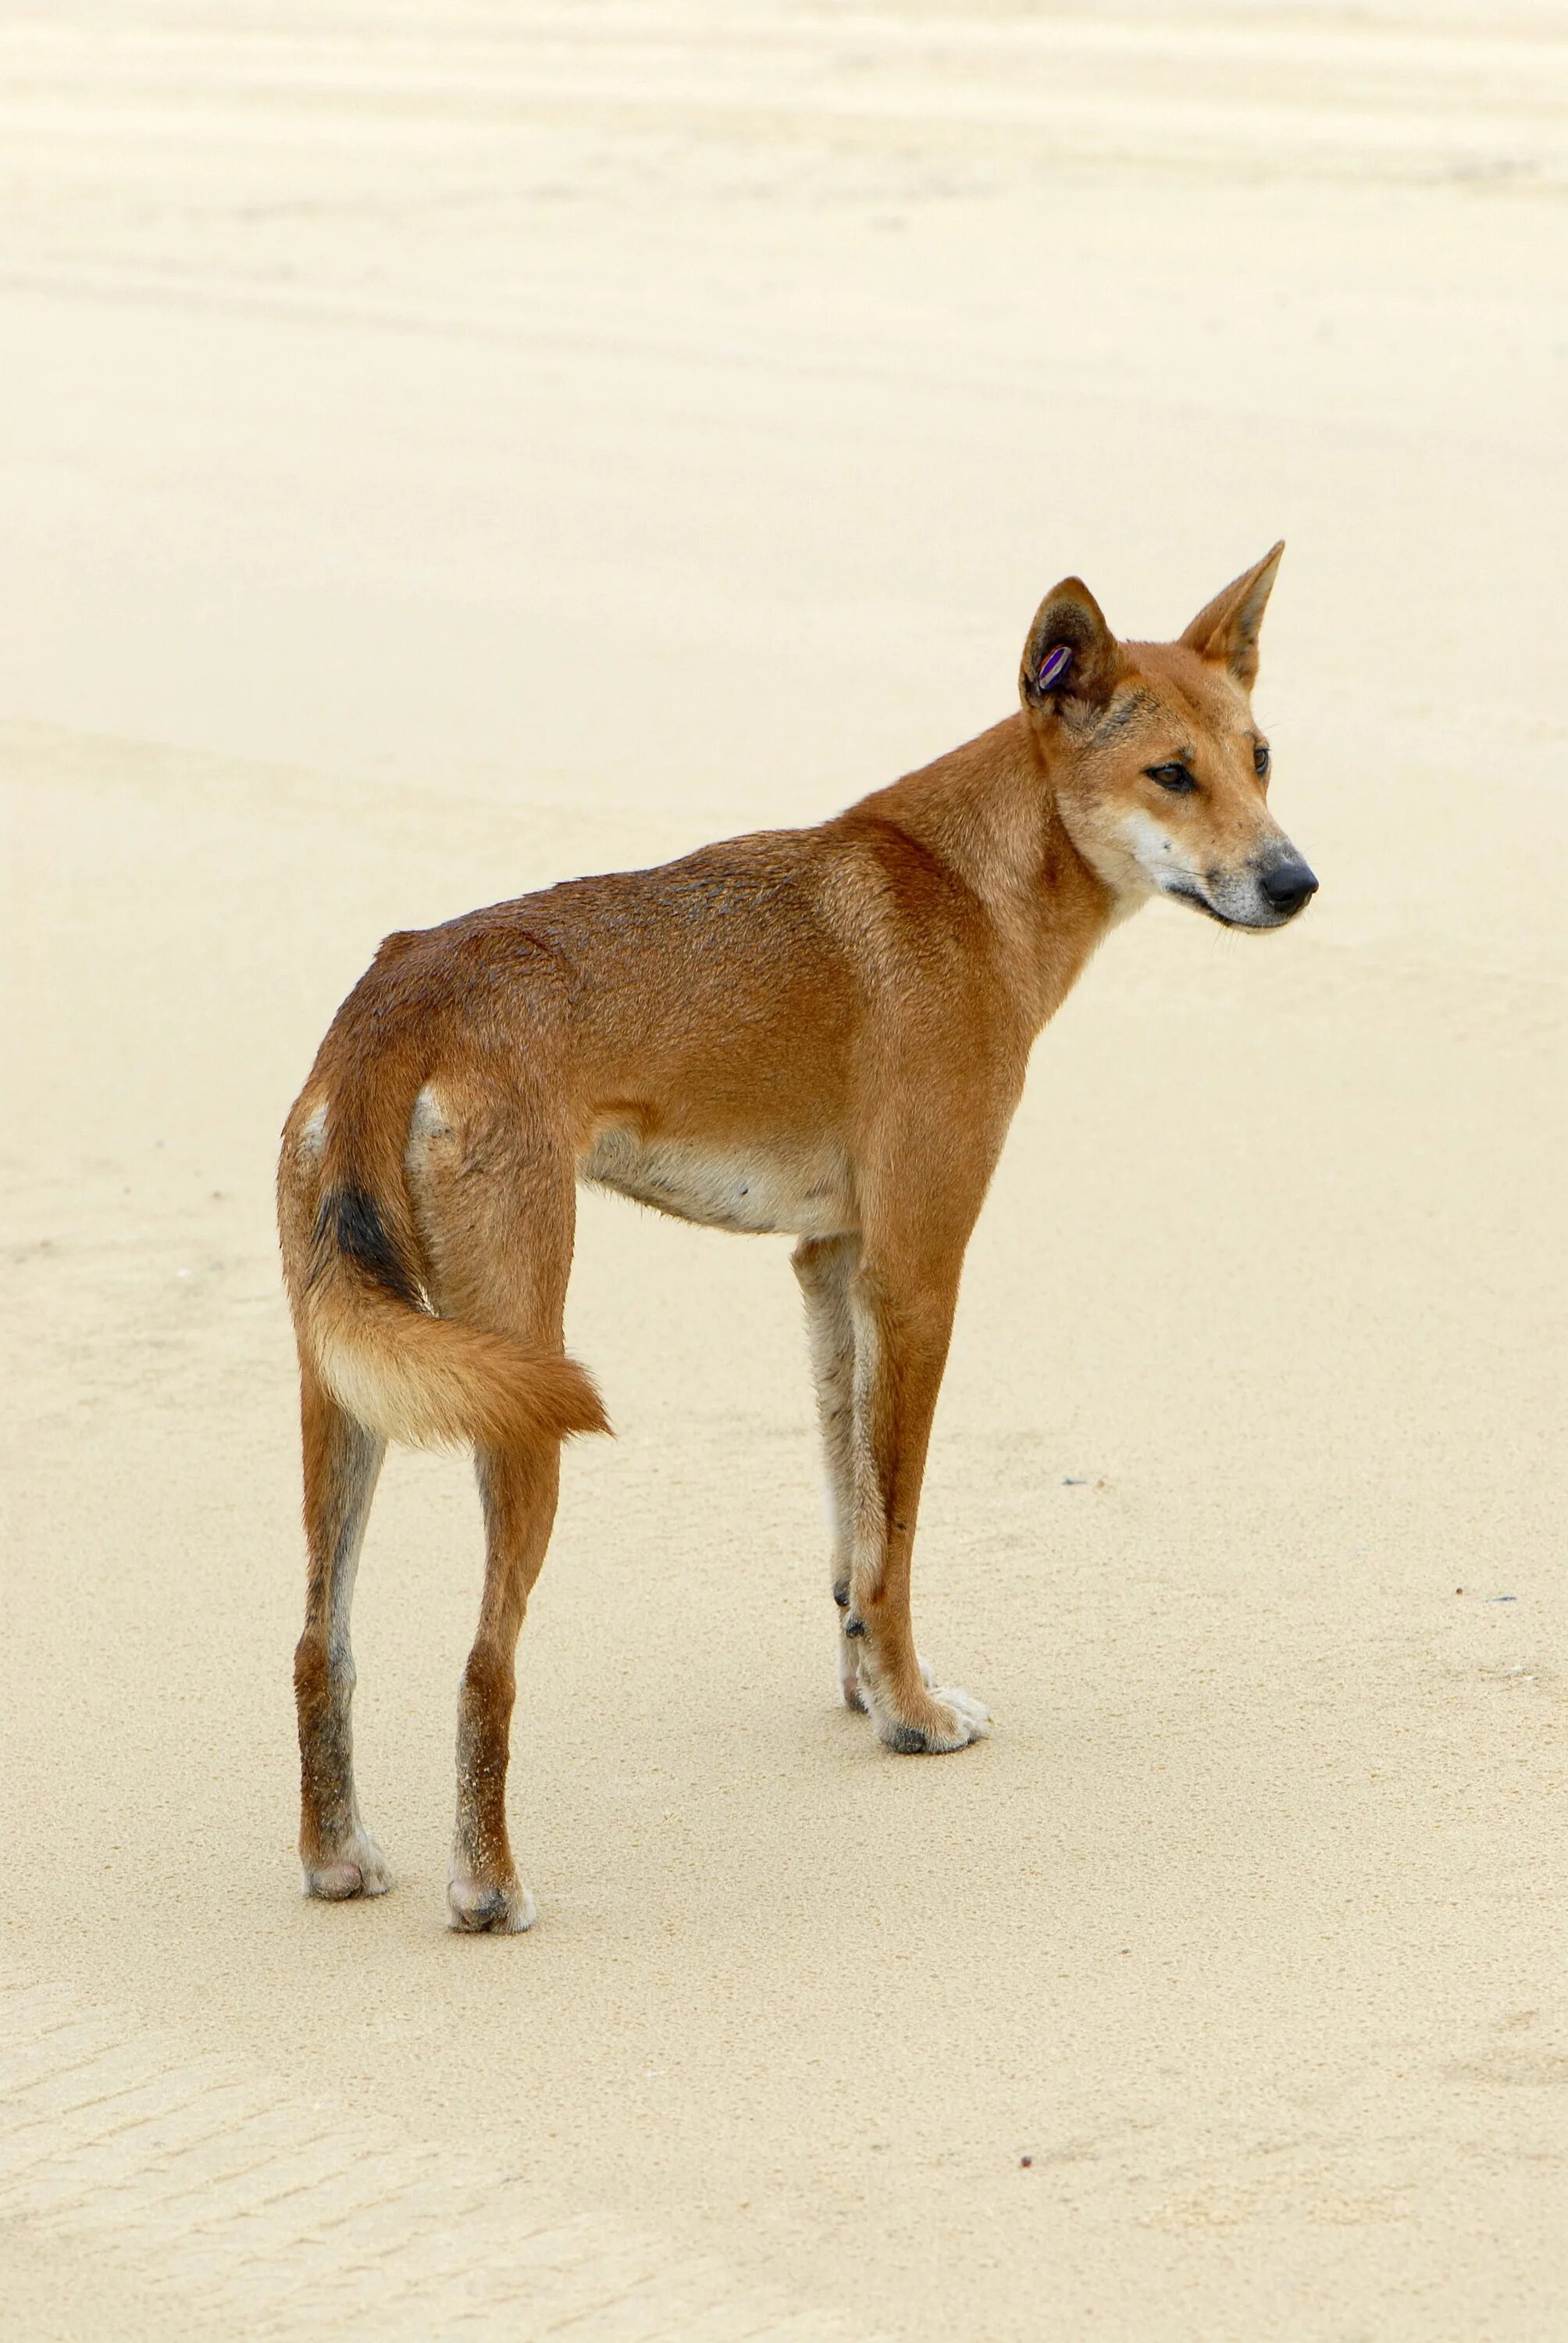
(1226, 629)
(1071, 659)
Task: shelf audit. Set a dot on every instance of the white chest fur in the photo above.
(758, 1193)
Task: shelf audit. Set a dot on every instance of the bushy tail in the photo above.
(421, 1378)
(381, 1351)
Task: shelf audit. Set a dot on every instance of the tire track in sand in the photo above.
(200, 2178)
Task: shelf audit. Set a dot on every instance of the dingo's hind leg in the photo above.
(518, 1489)
(496, 1200)
(342, 1460)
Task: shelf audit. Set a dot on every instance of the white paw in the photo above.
(477, 1907)
(358, 1869)
(953, 1720)
(971, 1712)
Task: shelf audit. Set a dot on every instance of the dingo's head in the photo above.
(1162, 773)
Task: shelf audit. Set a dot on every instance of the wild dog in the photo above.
(818, 1031)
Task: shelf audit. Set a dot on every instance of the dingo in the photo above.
(822, 1031)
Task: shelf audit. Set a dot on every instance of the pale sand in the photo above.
(441, 456)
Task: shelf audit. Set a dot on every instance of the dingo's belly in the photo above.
(752, 1190)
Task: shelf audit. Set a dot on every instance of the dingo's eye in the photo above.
(1175, 778)
(1260, 760)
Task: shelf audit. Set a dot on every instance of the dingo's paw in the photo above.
(950, 1720)
(477, 1907)
(358, 1869)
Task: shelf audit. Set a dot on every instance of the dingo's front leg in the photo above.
(901, 1324)
(825, 1266)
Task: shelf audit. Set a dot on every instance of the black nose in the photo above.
(1287, 882)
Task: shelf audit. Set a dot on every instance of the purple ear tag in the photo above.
(1053, 667)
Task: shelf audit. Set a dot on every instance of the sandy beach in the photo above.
(450, 448)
